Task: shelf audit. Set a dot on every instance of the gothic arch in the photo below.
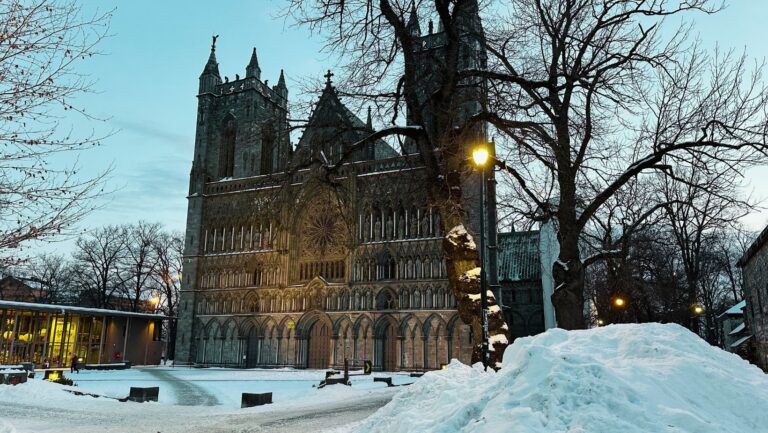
(434, 321)
(362, 324)
(386, 299)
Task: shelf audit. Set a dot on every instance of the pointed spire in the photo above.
(281, 88)
(210, 77)
(253, 70)
(413, 27)
(212, 66)
(369, 121)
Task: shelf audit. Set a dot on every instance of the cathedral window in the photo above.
(267, 146)
(227, 148)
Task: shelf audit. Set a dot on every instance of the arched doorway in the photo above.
(386, 346)
(253, 351)
(319, 345)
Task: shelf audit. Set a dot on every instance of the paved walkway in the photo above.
(187, 393)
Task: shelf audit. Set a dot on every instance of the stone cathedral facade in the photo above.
(308, 273)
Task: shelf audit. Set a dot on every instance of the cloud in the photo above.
(148, 129)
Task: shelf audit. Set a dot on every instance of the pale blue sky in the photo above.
(148, 80)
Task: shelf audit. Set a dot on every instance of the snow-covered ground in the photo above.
(190, 400)
(621, 378)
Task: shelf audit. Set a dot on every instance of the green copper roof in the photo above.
(518, 256)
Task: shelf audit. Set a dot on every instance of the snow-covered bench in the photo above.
(13, 374)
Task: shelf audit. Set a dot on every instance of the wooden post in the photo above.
(103, 334)
(125, 338)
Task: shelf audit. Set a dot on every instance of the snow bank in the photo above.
(621, 378)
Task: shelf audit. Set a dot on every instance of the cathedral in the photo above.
(284, 267)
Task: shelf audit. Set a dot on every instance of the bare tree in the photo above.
(52, 275)
(97, 260)
(702, 208)
(166, 278)
(588, 96)
(41, 44)
(139, 261)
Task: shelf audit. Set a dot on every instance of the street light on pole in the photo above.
(480, 156)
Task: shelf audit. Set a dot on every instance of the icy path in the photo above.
(186, 393)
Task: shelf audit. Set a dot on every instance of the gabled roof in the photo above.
(518, 256)
(736, 310)
(332, 121)
(756, 246)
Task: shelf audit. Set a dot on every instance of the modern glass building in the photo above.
(32, 332)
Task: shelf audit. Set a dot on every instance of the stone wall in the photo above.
(755, 272)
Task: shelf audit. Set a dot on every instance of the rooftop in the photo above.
(519, 256)
(81, 310)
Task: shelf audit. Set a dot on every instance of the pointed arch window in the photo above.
(227, 150)
(267, 148)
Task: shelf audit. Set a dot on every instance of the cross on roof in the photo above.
(328, 78)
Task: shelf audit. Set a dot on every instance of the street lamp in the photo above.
(480, 157)
(619, 302)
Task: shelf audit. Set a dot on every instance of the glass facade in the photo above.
(37, 336)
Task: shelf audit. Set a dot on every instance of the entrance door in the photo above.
(390, 349)
(254, 347)
(319, 346)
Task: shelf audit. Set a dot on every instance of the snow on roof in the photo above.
(737, 329)
(735, 310)
(634, 378)
(741, 340)
(82, 310)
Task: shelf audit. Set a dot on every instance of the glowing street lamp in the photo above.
(619, 302)
(698, 309)
(480, 157)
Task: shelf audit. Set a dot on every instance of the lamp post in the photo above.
(480, 157)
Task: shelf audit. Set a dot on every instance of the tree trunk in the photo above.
(462, 259)
(568, 297)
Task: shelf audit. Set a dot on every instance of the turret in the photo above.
(210, 77)
(369, 121)
(412, 26)
(281, 88)
(253, 70)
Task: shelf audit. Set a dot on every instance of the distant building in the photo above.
(754, 264)
(13, 289)
(525, 269)
(520, 279)
(734, 328)
(34, 332)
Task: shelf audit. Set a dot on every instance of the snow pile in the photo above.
(621, 378)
